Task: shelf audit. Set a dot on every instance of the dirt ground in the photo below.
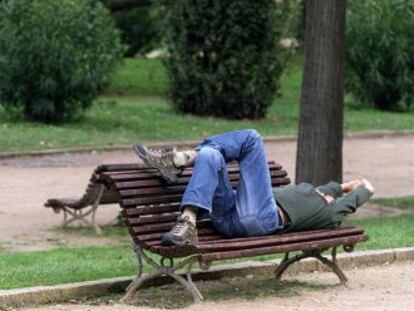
(27, 183)
(380, 288)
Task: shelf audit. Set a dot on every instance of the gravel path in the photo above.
(27, 183)
(389, 287)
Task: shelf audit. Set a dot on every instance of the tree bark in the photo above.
(319, 152)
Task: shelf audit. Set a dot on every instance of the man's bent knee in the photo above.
(209, 154)
(253, 134)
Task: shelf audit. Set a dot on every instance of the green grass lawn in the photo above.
(119, 120)
(88, 263)
(144, 77)
(400, 202)
(65, 265)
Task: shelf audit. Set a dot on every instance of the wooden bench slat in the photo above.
(157, 181)
(160, 226)
(293, 235)
(180, 188)
(142, 238)
(148, 183)
(151, 191)
(176, 198)
(203, 239)
(151, 228)
(142, 175)
(275, 240)
(224, 244)
(134, 211)
(120, 167)
(304, 246)
(151, 218)
(123, 168)
(239, 253)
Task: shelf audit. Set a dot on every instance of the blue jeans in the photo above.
(250, 210)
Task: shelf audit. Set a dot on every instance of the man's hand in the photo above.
(351, 185)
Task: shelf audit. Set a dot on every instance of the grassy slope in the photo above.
(144, 77)
(400, 202)
(80, 264)
(125, 119)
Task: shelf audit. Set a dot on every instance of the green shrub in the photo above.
(380, 52)
(139, 29)
(224, 56)
(55, 56)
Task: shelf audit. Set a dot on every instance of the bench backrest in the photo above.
(150, 206)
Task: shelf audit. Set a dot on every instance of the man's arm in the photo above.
(336, 190)
(354, 199)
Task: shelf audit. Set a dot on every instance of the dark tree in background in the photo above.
(139, 29)
(319, 153)
(380, 53)
(56, 57)
(224, 56)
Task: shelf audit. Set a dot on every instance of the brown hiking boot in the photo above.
(161, 160)
(182, 233)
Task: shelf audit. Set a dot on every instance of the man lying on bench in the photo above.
(254, 208)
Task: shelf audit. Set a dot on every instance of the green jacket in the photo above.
(309, 210)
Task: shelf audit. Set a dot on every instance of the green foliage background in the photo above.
(224, 56)
(55, 56)
(139, 29)
(380, 52)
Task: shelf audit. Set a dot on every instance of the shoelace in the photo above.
(179, 225)
(163, 153)
(155, 151)
(166, 155)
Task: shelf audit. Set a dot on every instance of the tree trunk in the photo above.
(319, 153)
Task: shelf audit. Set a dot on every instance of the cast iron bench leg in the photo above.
(162, 269)
(79, 215)
(286, 262)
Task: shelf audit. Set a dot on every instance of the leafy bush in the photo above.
(224, 56)
(139, 29)
(55, 56)
(380, 52)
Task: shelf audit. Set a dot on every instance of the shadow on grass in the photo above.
(251, 287)
(173, 296)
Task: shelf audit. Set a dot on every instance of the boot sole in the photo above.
(170, 177)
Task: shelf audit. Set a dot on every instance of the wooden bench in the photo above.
(80, 208)
(150, 207)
